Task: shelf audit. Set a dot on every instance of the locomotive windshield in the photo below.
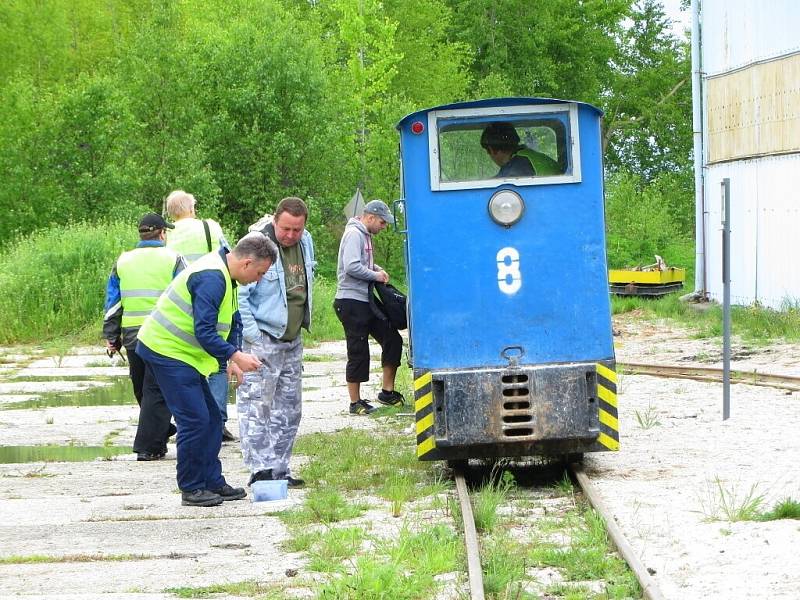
(481, 150)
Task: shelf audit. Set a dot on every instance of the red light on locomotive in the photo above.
(417, 127)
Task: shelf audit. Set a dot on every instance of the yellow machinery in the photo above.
(652, 280)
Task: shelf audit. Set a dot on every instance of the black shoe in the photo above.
(227, 436)
(362, 407)
(393, 398)
(149, 456)
(294, 482)
(265, 475)
(230, 493)
(200, 498)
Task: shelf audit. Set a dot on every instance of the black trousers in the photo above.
(359, 323)
(135, 371)
(154, 426)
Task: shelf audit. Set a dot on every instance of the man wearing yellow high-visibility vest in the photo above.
(195, 326)
(137, 280)
(194, 238)
(501, 141)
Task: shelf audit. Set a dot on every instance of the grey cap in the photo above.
(379, 208)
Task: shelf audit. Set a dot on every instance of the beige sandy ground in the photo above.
(664, 487)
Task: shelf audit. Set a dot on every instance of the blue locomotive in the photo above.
(509, 316)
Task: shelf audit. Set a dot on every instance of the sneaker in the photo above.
(200, 498)
(228, 492)
(294, 482)
(265, 475)
(362, 407)
(227, 436)
(393, 398)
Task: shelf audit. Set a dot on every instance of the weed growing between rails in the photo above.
(378, 523)
(544, 541)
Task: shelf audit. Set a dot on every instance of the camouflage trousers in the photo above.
(268, 403)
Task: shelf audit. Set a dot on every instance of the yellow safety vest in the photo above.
(542, 164)
(169, 330)
(144, 273)
(189, 238)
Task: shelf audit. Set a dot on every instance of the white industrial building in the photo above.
(746, 64)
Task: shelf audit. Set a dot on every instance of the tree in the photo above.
(649, 104)
(552, 48)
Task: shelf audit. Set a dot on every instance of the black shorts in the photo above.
(359, 323)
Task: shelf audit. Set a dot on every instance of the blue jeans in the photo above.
(199, 437)
(218, 382)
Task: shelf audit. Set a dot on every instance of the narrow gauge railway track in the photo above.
(785, 382)
(649, 589)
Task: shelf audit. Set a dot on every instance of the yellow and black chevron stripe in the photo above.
(423, 407)
(609, 419)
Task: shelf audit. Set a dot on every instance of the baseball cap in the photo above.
(499, 134)
(152, 221)
(379, 209)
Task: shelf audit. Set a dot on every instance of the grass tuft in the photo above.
(322, 505)
(241, 588)
(486, 501)
(725, 503)
(785, 509)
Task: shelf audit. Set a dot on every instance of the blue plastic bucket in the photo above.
(265, 491)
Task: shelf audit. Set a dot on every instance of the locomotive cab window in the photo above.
(520, 145)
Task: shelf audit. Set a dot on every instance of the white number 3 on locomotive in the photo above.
(509, 278)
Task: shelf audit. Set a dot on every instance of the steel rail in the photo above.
(470, 538)
(648, 585)
(785, 382)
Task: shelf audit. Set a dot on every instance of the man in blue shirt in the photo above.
(194, 327)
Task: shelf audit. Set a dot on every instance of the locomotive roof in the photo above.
(488, 102)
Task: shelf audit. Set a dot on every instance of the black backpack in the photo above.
(389, 305)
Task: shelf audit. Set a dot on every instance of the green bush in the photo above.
(52, 283)
(645, 220)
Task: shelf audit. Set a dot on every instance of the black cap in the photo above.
(500, 134)
(152, 222)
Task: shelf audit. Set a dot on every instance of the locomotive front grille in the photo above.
(516, 414)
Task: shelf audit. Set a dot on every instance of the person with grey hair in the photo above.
(274, 312)
(194, 326)
(193, 238)
(356, 269)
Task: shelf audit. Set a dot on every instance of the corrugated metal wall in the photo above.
(752, 136)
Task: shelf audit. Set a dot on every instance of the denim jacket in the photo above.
(263, 305)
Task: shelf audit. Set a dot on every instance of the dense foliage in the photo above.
(106, 107)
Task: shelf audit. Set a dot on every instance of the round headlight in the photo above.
(506, 207)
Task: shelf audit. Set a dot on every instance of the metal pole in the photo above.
(726, 298)
(700, 283)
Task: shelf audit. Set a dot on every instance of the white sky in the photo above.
(681, 20)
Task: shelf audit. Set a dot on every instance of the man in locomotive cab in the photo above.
(501, 141)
